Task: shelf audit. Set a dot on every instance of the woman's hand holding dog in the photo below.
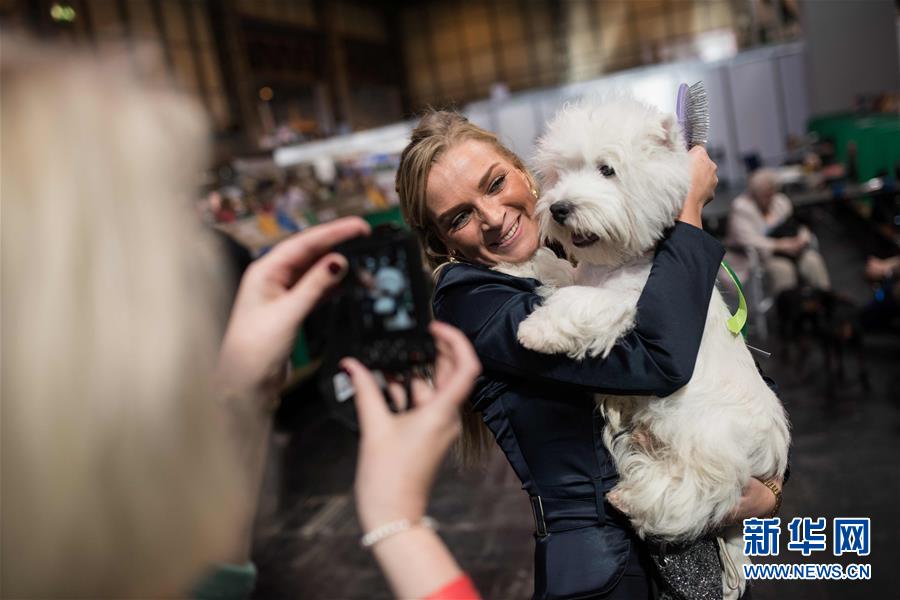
(757, 501)
(703, 185)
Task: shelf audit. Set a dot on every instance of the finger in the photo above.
(371, 408)
(422, 391)
(698, 150)
(443, 362)
(457, 385)
(299, 251)
(398, 395)
(320, 279)
(454, 346)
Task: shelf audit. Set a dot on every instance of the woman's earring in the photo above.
(534, 192)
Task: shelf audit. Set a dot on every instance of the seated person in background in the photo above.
(761, 219)
(883, 311)
(878, 269)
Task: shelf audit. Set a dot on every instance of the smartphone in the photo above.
(382, 312)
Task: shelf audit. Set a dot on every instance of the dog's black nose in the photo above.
(560, 210)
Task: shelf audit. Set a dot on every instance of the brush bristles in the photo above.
(696, 116)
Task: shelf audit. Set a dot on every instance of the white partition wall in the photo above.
(481, 115)
(756, 99)
(754, 96)
(795, 91)
(851, 50)
(518, 124)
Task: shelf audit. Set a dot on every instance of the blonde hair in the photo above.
(436, 133)
(117, 477)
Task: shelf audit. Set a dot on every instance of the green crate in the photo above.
(877, 140)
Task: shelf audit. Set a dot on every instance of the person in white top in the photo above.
(754, 215)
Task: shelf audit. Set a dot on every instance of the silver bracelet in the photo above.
(393, 528)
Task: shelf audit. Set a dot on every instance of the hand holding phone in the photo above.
(381, 316)
(400, 453)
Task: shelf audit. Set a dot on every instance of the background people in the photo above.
(761, 220)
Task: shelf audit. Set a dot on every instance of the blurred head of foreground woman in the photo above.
(116, 478)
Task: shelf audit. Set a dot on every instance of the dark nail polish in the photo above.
(334, 268)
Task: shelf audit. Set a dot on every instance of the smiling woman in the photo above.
(472, 202)
(467, 195)
(483, 205)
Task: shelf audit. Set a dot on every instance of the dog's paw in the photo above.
(601, 336)
(545, 291)
(600, 344)
(552, 271)
(533, 332)
(616, 497)
(542, 335)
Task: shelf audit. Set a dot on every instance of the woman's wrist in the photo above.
(242, 386)
(774, 486)
(382, 495)
(234, 377)
(246, 401)
(396, 527)
(376, 514)
(692, 214)
(416, 562)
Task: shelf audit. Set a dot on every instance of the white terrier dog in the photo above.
(615, 177)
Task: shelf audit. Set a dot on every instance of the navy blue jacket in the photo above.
(540, 407)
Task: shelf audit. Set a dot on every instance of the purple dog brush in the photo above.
(692, 109)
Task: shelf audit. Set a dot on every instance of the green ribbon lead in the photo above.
(737, 323)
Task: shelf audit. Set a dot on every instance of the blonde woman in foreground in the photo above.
(131, 454)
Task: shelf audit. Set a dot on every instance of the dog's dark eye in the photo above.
(606, 170)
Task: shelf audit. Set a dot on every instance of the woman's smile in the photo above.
(511, 235)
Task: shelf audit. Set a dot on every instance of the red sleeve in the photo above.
(460, 588)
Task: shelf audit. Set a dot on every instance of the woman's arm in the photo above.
(657, 357)
(399, 456)
(276, 294)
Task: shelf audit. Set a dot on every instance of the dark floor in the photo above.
(844, 463)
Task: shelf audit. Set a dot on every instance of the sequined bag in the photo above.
(688, 571)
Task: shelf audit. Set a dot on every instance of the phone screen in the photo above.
(381, 316)
(384, 296)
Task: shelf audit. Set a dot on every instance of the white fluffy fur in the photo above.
(684, 459)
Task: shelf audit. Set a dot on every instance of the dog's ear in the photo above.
(549, 178)
(669, 135)
(547, 174)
